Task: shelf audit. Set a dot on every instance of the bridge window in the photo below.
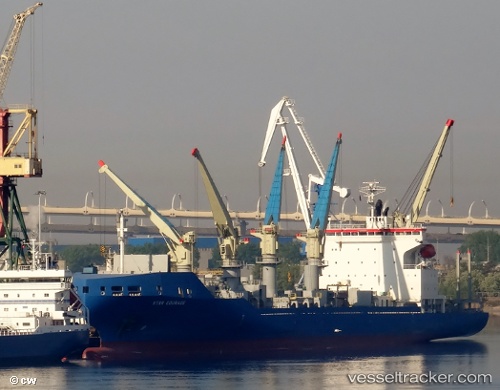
(85, 289)
(134, 290)
(117, 290)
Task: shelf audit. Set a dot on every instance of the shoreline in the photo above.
(492, 310)
(492, 306)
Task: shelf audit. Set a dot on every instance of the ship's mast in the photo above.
(370, 191)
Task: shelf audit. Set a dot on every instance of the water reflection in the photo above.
(479, 354)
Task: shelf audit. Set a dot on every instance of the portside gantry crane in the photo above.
(9, 51)
(13, 165)
(276, 119)
(180, 247)
(314, 238)
(268, 233)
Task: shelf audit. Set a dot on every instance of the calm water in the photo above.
(437, 361)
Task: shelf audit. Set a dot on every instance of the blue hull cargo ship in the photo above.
(366, 286)
(175, 316)
(378, 288)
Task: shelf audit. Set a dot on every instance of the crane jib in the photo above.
(320, 215)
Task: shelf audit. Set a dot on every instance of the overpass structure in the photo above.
(141, 225)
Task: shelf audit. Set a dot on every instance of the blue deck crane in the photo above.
(314, 237)
(268, 233)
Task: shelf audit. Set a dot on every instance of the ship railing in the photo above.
(14, 332)
(421, 265)
(346, 226)
(228, 294)
(489, 294)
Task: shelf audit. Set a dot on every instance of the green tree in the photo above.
(79, 256)
(289, 271)
(448, 282)
(216, 260)
(484, 245)
(491, 283)
(248, 253)
(146, 249)
(291, 252)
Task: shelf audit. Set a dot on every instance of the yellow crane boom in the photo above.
(9, 51)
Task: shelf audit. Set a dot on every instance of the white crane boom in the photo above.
(299, 189)
(9, 51)
(181, 247)
(229, 239)
(276, 119)
(429, 173)
(410, 206)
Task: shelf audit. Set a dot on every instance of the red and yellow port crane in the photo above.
(15, 163)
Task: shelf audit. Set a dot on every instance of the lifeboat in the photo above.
(427, 251)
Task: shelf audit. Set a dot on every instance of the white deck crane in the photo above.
(181, 247)
(421, 184)
(277, 119)
(13, 165)
(228, 235)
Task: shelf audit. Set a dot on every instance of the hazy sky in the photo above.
(138, 84)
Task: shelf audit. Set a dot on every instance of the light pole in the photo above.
(487, 214)
(40, 193)
(470, 208)
(427, 208)
(442, 208)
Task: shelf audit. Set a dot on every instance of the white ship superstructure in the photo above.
(38, 301)
(391, 263)
(41, 317)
